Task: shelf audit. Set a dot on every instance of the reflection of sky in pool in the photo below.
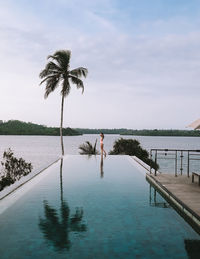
(96, 208)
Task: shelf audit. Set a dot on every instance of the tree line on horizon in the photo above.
(15, 127)
(143, 132)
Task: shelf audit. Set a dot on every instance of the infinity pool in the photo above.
(87, 207)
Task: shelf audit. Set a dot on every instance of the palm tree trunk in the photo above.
(61, 125)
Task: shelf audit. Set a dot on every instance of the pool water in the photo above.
(89, 207)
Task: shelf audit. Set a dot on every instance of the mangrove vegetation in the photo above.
(13, 169)
(143, 132)
(132, 147)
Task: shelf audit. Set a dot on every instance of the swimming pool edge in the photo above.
(28, 180)
(187, 213)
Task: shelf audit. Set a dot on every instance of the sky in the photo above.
(143, 58)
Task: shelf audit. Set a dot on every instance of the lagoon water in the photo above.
(43, 150)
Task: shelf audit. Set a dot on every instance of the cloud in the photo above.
(140, 71)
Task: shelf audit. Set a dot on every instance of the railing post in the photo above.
(151, 159)
(176, 153)
(181, 156)
(155, 162)
(188, 164)
(176, 163)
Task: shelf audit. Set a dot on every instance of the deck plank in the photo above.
(182, 188)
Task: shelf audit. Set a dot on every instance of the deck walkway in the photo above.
(183, 193)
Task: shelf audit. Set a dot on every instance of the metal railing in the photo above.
(183, 156)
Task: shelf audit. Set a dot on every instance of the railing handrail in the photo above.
(172, 149)
(190, 152)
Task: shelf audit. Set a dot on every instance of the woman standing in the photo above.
(101, 144)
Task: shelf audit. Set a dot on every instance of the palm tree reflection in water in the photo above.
(55, 228)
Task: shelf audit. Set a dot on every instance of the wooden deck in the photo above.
(183, 193)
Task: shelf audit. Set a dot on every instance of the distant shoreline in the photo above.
(144, 132)
(17, 128)
(40, 135)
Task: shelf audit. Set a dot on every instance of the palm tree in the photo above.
(57, 72)
(88, 149)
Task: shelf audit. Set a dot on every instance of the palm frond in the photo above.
(84, 149)
(79, 72)
(89, 145)
(46, 78)
(77, 81)
(95, 145)
(51, 84)
(62, 57)
(88, 149)
(50, 68)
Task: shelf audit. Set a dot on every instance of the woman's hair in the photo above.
(102, 134)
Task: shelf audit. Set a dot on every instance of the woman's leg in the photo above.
(102, 149)
(104, 152)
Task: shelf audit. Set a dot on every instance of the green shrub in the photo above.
(132, 147)
(13, 169)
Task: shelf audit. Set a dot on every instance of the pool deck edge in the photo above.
(189, 214)
(179, 204)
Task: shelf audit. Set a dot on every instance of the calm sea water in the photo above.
(43, 150)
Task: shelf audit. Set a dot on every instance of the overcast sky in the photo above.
(143, 58)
